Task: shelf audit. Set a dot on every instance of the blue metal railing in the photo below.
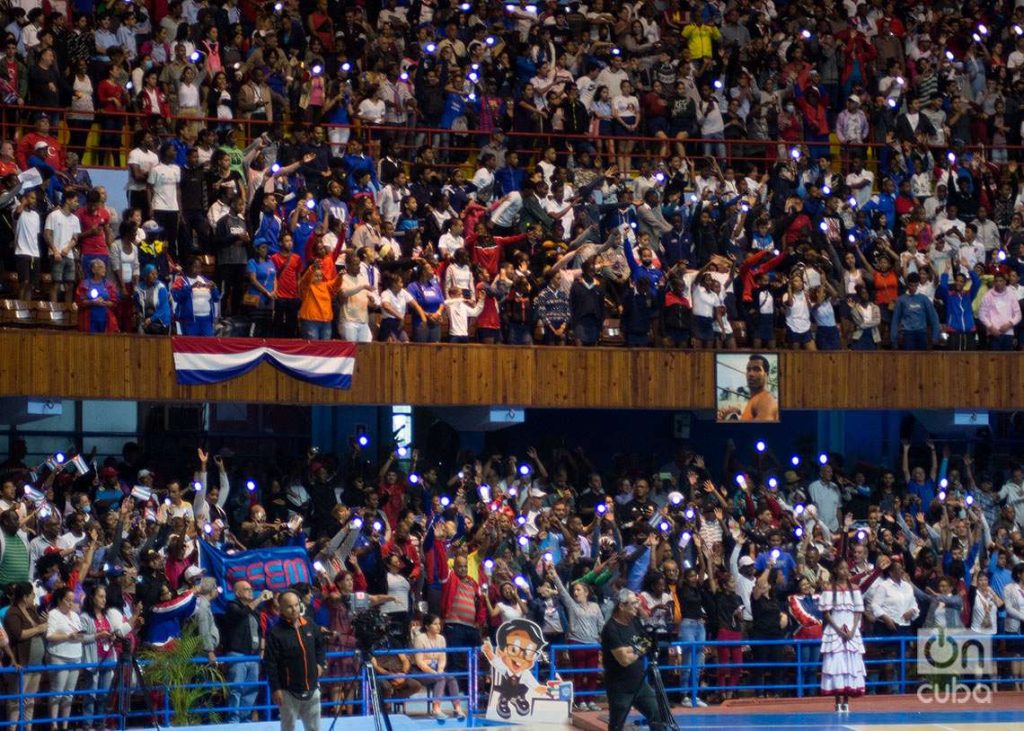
(886, 660)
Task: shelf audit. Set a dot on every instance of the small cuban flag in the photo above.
(78, 463)
(34, 495)
(142, 493)
(150, 515)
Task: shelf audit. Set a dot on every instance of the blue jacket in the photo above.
(959, 306)
(269, 232)
(914, 313)
(639, 271)
(884, 203)
(163, 624)
(162, 307)
(181, 291)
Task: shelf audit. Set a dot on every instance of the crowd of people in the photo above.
(98, 556)
(823, 175)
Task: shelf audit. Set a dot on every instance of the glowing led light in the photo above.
(799, 509)
(602, 509)
(357, 523)
(524, 469)
(378, 526)
(690, 514)
(773, 483)
(363, 440)
(760, 446)
(775, 554)
(823, 458)
(795, 461)
(414, 479)
(250, 485)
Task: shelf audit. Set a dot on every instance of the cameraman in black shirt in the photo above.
(624, 644)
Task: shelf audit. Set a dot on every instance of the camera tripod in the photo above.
(664, 707)
(381, 720)
(127, 664)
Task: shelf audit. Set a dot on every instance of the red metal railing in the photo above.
(455, 149)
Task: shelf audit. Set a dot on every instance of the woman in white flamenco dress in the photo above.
(842, 648)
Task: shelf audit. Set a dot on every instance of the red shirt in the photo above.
(95, 244)
(288, 266)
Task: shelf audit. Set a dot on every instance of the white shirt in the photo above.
(26, 233)
(625, 106)
(58, 623)
(188, 96)
(398, 587)
(886, 598)
(449, 243)
(165, 180)
(587, 86)
(398, 302)
(145, 160)
(63, 227)
(1013, 494)
(507, 213)
(483, 181)
(372, 110)
(863, 195)
(704, 301)
(459, 312)
(1013, 596)
(798, 312)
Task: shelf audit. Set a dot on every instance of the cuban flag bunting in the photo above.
(201, 361)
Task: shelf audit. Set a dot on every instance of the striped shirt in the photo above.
(14, 561)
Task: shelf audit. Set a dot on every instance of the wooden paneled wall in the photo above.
(71, 365)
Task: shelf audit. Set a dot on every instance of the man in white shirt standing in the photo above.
(164, 191)
(860, 180)
(61, 235)
(141, 160)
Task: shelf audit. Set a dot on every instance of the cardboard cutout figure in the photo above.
(516, 695)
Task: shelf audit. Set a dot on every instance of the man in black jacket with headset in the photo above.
(295, 657)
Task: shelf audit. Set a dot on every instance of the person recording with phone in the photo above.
(64, 637)
(624, 645)
(242, 638)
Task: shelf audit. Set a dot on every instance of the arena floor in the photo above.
(873, 713)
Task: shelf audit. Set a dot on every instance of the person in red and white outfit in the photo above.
(842, 648)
